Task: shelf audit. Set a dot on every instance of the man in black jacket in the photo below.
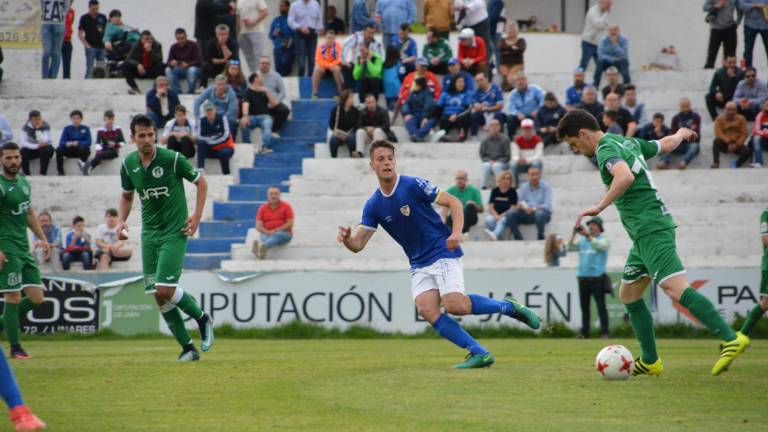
(723, 86)
(161, 102)
(144, 61)
(218, 52)
(373, 124)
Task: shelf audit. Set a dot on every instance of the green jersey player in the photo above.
(18, 270)
(158, 175)
(760, 308)
(624, 171)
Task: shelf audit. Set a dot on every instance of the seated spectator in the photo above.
(343, 125)
(185, 60)
(334, 23)
(119, 38)
(547, 118)
(750, 94)
(75, 142)
(511, 50)
(418, 110)
(631, 104)
(407, 47)
(236, 78)
(373, 124)
(613, 50)
(487, 104)
(437, 52)
(6, 133)
(391, 80)
(626, 121)
(283, 40)
(109, 140)
(503, 199)
(214, 140)
(472, 52)
(574, 93)
(52, 233)
(433, 83)
(350, 49)
(161, 102)
(760, 136)
(180, 133)
(257, 101)
(610, 121)
(590, 104)
(534, 206)
(686, 118)
(109, 247)
(455, 105)
(613, 86)
(218, 53)
(77, 246)
(527, 150)
(731, 136)
(495, 153)
(273, 82)
(455, 70)
(655, 130)
(274, 222)
(723, 85)
(327, 60)
(145, 60)
(524, 103)
(223, 97)
(368, 72)
(471, 199)
(36, 143)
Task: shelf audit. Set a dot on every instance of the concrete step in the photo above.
(219, 229)
(213, 245)
(251, 192)
(235, 210)
(267, 175)
(204, 261)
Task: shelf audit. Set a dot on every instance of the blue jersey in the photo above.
(407, 215)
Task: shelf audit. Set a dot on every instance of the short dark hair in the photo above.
(659, 116)
(367, 95)
(252, 77)
(421, 82)
(34, 113)
(93, 2)
(380, 144)
(111, 212)
(549, 96)
(109, 114)
(630, 87)
(146, 33)
(180, 108)
(76, 113)
(45, 213)
(180, 30)
(405, 27)
(115, 13)
(330, 32)
(370, 25)
(751, 69)
(77, 219)
(141, 120)
(575, 120)
(612, 115)
(10, 145)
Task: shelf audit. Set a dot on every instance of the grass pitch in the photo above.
(386, 385)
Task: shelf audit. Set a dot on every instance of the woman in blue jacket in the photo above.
(455, 104)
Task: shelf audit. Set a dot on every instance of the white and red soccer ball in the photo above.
(614, 362)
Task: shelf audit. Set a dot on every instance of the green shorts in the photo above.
(162, 261)
(19, 272)
(654, 256)
(764, 283)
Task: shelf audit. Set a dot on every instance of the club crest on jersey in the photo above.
(157, 172)
(405, 210)
(25, 189)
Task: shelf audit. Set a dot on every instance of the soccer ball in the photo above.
(614, 362)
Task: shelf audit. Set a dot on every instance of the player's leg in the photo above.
(11, 285)
(757, 312)
(20, 415)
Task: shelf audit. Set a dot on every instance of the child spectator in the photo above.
(109, 140)
(417, 110)
(109, 246)
(75, 142)
(180, 133)
(77, 246)
(36, 142)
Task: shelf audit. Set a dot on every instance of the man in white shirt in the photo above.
(306, 19)
(251, 16)
(180, 133)
(474, 14)
(595, 27)
(349, 51)
(109, 246)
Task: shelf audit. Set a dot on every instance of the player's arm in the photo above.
(34, 225)
(190, 226)
(622, 180)
(124, 210)
(356, 241)
(454, 206)
(670, 142)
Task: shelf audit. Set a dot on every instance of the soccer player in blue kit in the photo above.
(403, 207)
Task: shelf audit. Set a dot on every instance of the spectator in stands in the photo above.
(52, 17)
(524, 103)
(760, 136)
(590, 104)
(391, 14)
(527, 150)
(66, 46)
(327, 60)
(574, 93)
(437, 52)
(495, 153)
(119, 38)
(283, 37)
(109, 140)
(214, 140)
(613, 86)
(208, 14)
(497, 22)
(686, 118)
(610, 122)
(455, 70)
(631, 104)
(473, 14)
(655, 130)
(723, 85)
(487, 104)
(145, 60)
(391, 80)
(471, 199)
(409, 51)
(433, 84)
(595, 27)
(257, 102)
(6, 133)
(274, 222)
(180, 133)
(77, 246)
(75, 142)
(274, 83)
(350, 50)
(36, 142)
(306, 20)
(534, 205)
(455, 104)
(613, 50)
(343, 125)
(333, 22)
(503, 199)
(755, 22)
(109, 247)
(91, 33)
(223, 97)
(731, 136)
(472, 52)
(361, 16)
(511, 51)
(438, 16)
(722, 28)
(235, 78)
(625, 119)
(750, 93)
(184, 63)
(547, 118)
(52, 233)
(554, 249)
(161, 102)
(368, 72)
(593, 257)
(418, 110)
(373, 125)
(251, 16)
(218, 53)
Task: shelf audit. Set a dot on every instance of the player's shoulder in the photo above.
(131, 159)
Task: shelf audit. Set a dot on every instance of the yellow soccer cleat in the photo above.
(729, 351)
(642, 368)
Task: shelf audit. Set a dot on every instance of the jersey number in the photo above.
(640, 166)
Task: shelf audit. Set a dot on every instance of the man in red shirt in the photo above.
(472, 55)
(274, 221)
(527, 150)
(66, 46)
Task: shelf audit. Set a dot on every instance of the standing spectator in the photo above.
(218, 53)
(161, 102)
(251, 17)
(722, 28)
(223, 97)
(438, 16)
(613, 50)
(327, 59)
(626, 121)
(760, 136)
(77, 246)
(368, 72)
(471, 199)
(755, 23)
(144, 61)
(350, 48)
(750, 94)
(66, 46)
(595, 26)
(455, 70)
(332, 22)
(283, 37)
(36, 142)
(91, 33)
(613, 86)
(409, 51)
(653, 131)
(274, 222)
(524, 103)
(109, 140)
(456, 106)
(109, 247)
(511, 51)
(373, 125)
(52, 17)
(257, 102)
(6, 133)
(631, 104)
(473, 14)
(686, 118)
(437, 52)
(610, 122)
(361, 16)
(547, 118)
(527, 151)
(418, 110)
(472, 52)
(593, 257)
(590, 104)
(391, 14)
(534, 205)
(306, 19)
(498, 25)
(52, 233)
(723, 86)
(503, 199)
(487, 104)
(75, 142)
(343, 125)
(214, 140)
(495, 153)
(207, 13)
(731, 136)
(180, 133)
(574, 92)
(184, 63)
(274, 83)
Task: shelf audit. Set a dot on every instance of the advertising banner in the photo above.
(126, 310)
(20, 23)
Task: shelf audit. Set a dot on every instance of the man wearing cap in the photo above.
(487, 104)
(524, 103)
(473, 14)
(527, 150)
(437, 52)
(454, 70)
(593, 281)
(472, 53)
(223, 97)
(214, 139)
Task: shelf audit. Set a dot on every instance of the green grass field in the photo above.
(388, 385)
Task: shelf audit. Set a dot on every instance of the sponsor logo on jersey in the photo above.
(427, 187)
(157, 172)
(405, 210)
(136, 169)
(154, 193)
(388, 219)
(23, 208)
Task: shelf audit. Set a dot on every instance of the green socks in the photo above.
(175, 323)
(642, 324)
(754, 316)
(188, 304)
(11, 322)
(705, 311)
(25, 306)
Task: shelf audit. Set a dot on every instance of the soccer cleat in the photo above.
(729, 351)
(475, 361)
(189, 355)
(524, 314)
(206, 332)
(643, 368)
(18, 352)
(24, 420)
